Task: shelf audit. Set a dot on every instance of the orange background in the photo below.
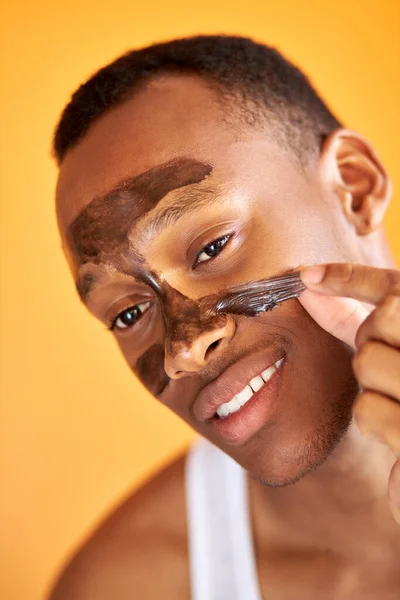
(76, 431)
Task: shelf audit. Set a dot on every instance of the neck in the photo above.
(342, 506)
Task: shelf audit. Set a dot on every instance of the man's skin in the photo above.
(334, 533)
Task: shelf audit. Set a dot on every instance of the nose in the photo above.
(185, 357)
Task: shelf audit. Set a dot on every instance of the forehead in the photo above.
(170, 118)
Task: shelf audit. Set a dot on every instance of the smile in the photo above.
(253, 386)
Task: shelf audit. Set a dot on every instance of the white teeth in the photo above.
(223, 410)
(267, 374)
(237, 402)
(256, 383)
(244, 396)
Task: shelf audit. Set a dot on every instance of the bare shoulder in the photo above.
(139, 551)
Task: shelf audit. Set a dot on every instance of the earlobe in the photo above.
(359, 179)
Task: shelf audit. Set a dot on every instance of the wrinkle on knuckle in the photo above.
(347, 272)
(386, 320)
(362, 360)
(390, 307)
(338, 274)
(365, 330)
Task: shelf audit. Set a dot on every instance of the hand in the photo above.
(374, 334)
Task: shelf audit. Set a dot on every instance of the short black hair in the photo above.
(260, 81)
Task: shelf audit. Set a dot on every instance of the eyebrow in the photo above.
(104, 223)
(94, 230)
(190, 201)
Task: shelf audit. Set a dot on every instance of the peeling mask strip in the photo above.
(254, 297)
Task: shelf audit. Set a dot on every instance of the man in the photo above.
(187, 168)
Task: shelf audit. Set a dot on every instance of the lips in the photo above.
(248, 391)
(232, 382)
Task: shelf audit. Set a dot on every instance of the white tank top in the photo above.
(222, 561)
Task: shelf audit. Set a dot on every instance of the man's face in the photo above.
(196, 208)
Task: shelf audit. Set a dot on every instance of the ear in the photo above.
(358, 178)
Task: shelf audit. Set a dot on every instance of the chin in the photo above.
(289, 458)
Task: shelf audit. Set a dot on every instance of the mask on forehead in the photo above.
(101, 230)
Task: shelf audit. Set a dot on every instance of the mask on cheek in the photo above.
(185, 319)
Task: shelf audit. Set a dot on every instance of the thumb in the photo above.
(339, 316)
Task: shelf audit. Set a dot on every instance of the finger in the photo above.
(378, 416)
(394, 491)
(382, 324)
(377, 367)
(340, 317)
(364, 283)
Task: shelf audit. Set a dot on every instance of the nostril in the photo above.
(211, 348)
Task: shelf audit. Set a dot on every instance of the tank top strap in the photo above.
(222, 561)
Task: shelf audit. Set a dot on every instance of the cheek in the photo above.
(149, 368)
(145, 354)
(302, 231)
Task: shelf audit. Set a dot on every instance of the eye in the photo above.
(211, 250)
(129, 316)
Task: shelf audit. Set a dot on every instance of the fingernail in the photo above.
(314, 274)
